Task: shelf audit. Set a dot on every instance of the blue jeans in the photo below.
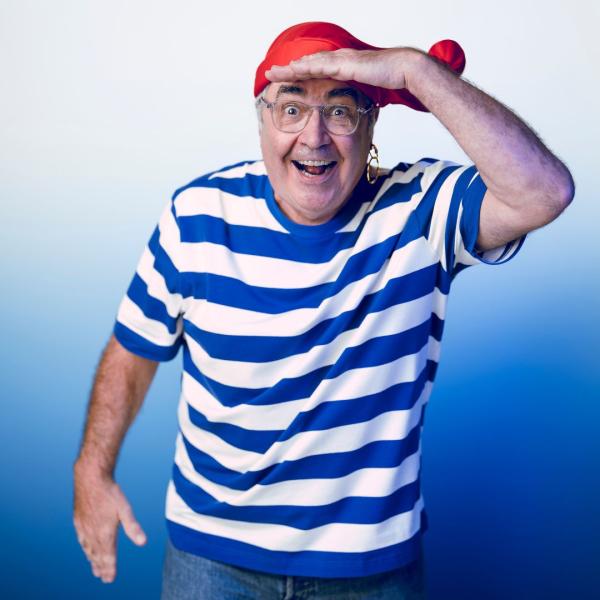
(187, 576)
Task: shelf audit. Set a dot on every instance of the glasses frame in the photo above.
(321, 108)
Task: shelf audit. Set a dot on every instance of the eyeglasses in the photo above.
(291, 116)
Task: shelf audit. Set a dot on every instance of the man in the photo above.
(308, 292)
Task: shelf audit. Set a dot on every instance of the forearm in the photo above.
(527, 186)
(512, 160)
(120, 385)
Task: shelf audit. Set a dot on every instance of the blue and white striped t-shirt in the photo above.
(309, 354)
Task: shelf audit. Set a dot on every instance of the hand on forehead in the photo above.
(326, 50)
(339, 65)
(371, 70)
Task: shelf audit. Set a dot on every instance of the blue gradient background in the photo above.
(109, 106)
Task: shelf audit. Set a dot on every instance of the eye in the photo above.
(291, 110)
(340, 111)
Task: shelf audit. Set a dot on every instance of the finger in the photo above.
(80, 539)
(85, 546)
(102, 553)
(293, 74)
(87, 549)
(104, 573)
(132, 528)
(79, 532)
(104, 563)
(86, 541)
(105, 568)
(315, 66)
(279, 73)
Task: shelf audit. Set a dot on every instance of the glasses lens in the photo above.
(290, 116)
(341, 119)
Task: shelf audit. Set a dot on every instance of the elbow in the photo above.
(564, 189)
(547, 197)
(557, 194)
(569, 189)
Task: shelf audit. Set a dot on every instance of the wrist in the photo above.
(89, 468)
(417, 64)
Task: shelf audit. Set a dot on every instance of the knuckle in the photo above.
(107, 559)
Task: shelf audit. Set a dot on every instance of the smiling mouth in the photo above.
(313, 167)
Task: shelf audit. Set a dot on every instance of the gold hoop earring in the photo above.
(373, 163)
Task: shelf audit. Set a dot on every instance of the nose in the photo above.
(314, 133)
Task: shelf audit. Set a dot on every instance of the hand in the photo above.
(382, 68)
(99, 507)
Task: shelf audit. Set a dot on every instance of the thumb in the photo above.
(132, 528)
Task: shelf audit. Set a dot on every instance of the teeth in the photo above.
(315, 163)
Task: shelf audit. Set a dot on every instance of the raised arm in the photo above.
(527, 185)
(120, 385)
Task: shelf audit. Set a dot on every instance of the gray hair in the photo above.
(258, 105)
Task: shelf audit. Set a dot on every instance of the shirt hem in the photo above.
(302, 563)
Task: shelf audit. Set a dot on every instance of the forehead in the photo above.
(317, 89)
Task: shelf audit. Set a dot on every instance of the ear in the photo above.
(373, 119)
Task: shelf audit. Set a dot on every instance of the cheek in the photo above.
(355, 157)
(275, 148)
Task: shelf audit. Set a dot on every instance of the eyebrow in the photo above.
(290, 89)
(347, 91)
(335, 93)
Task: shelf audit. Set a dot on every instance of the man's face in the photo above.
(308, 198)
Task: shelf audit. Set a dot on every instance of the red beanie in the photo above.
(308, 38)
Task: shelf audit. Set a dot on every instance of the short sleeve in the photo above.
(452, 197)
(149, 319)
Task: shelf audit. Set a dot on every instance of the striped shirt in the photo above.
(309, 354)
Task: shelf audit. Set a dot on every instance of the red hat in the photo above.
(308, 38)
